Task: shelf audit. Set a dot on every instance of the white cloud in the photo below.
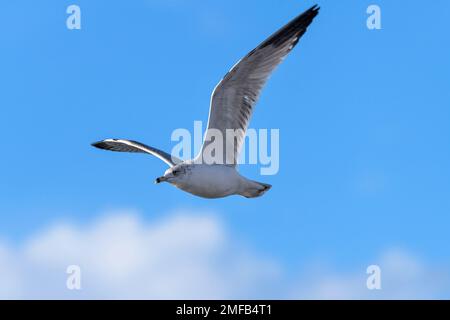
(188, 256)
(403, 276)
(183, 256)
(10, 280)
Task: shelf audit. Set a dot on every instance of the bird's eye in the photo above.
(175, 172)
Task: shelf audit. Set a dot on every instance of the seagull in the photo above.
(232, 103)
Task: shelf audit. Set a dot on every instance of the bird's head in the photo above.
(173, 175)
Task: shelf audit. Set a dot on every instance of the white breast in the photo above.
(210, 181)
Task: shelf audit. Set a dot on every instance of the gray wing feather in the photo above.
(122, 145)
(234, 98)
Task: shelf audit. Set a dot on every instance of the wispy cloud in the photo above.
(184, 256)
(188, 255)
(403, 276)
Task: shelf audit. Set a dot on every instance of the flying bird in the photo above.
(232, 103)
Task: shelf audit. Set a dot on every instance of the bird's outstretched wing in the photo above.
(234, 98)
(122, 145)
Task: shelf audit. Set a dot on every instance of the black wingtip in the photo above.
(315, 8)
(297, 26)
(99, 144)
(311, 13)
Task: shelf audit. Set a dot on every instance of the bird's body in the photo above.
(212, 180)
(232, 104)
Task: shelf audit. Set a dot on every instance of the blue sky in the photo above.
(364, 120)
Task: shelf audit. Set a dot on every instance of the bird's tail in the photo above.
(255, 189)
